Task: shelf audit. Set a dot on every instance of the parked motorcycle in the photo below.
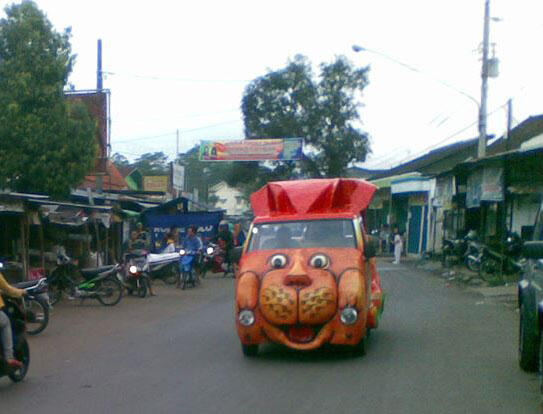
(14, 309)
(494, 262)
(456, 251)
(164, 266)
(35, 304)
(99, 283)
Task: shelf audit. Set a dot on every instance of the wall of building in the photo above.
(229, 199)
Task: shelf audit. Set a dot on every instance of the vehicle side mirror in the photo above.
(236, 254)
(370, 247)
(533, 250)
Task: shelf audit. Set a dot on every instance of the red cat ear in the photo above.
(313, 196)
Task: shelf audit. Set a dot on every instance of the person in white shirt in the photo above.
(398, 246)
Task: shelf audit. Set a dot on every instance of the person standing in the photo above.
(398, 246)
(239, 235)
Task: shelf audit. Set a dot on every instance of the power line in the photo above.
(175, 79)
(174, 132)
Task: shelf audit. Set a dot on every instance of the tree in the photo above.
(46, 144)
(120, 160)
(152, 163)
(290, 103)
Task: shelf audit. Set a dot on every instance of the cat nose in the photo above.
(297, 275)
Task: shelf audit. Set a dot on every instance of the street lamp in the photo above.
(489, 69)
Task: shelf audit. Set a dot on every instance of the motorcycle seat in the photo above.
(95, 271)
(24, 285)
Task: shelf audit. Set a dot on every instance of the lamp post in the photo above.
(489, 69)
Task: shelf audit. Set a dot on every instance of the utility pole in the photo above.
(177, 144)
(99, 83)
(481, 150)
(99, 87)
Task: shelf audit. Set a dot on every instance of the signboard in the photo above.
(155, 183)
(280, 149)
(484, 185)
(178, 177)
(207, 224)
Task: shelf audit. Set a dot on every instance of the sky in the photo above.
(183, 66)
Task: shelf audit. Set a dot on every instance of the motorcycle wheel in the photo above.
(172, 275)
(38, 316)
(185, 281)
(109, 292)
(142, 289)
(489, 269)
(22, 353)
(55, 294)
(473, 264)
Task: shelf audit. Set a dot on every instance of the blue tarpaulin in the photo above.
(159, 225)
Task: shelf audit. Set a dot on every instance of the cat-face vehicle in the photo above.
(307, 276)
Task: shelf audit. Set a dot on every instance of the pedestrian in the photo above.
(398, 246)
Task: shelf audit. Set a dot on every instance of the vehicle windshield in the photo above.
(302, 234)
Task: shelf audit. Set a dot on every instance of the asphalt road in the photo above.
(439, 349)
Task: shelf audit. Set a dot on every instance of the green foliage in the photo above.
(120, 160)
(152, 163)
(46, 144)
(290, 103)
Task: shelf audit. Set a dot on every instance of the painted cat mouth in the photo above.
(301, 334)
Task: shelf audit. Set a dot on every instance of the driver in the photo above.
(5, 325)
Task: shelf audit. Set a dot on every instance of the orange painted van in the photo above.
(306, 275)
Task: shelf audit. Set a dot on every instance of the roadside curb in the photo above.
(466, 279)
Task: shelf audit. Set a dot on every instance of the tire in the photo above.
(55, 294)
(249, 350)
(184, 282)
(360, 348)
(489, 269)
(473, 264)
(142, 289)
(171, 276)
(528, 346)
(540, 365)
(22, 353)
(39, 316)
(109, 292)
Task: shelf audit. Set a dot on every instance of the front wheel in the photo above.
(109, 292)
(37, 316)
(249, 350)
(142, 288)
(171, 276)
(489, 269)
(22, 353)
(473, 264)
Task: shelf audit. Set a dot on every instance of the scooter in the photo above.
(16, 313)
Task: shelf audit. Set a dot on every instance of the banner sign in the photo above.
(159, 226)
(178, 177)
(155, 183)
(484, 185)
(252, 150)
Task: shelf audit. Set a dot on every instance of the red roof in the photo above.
(318, 196)
(113, 180)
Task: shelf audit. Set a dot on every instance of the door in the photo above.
(415, 224)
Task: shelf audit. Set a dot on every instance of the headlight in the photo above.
(133, 269)
(349, 316)
(182, 252)
(246, 317)
(210, 250)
